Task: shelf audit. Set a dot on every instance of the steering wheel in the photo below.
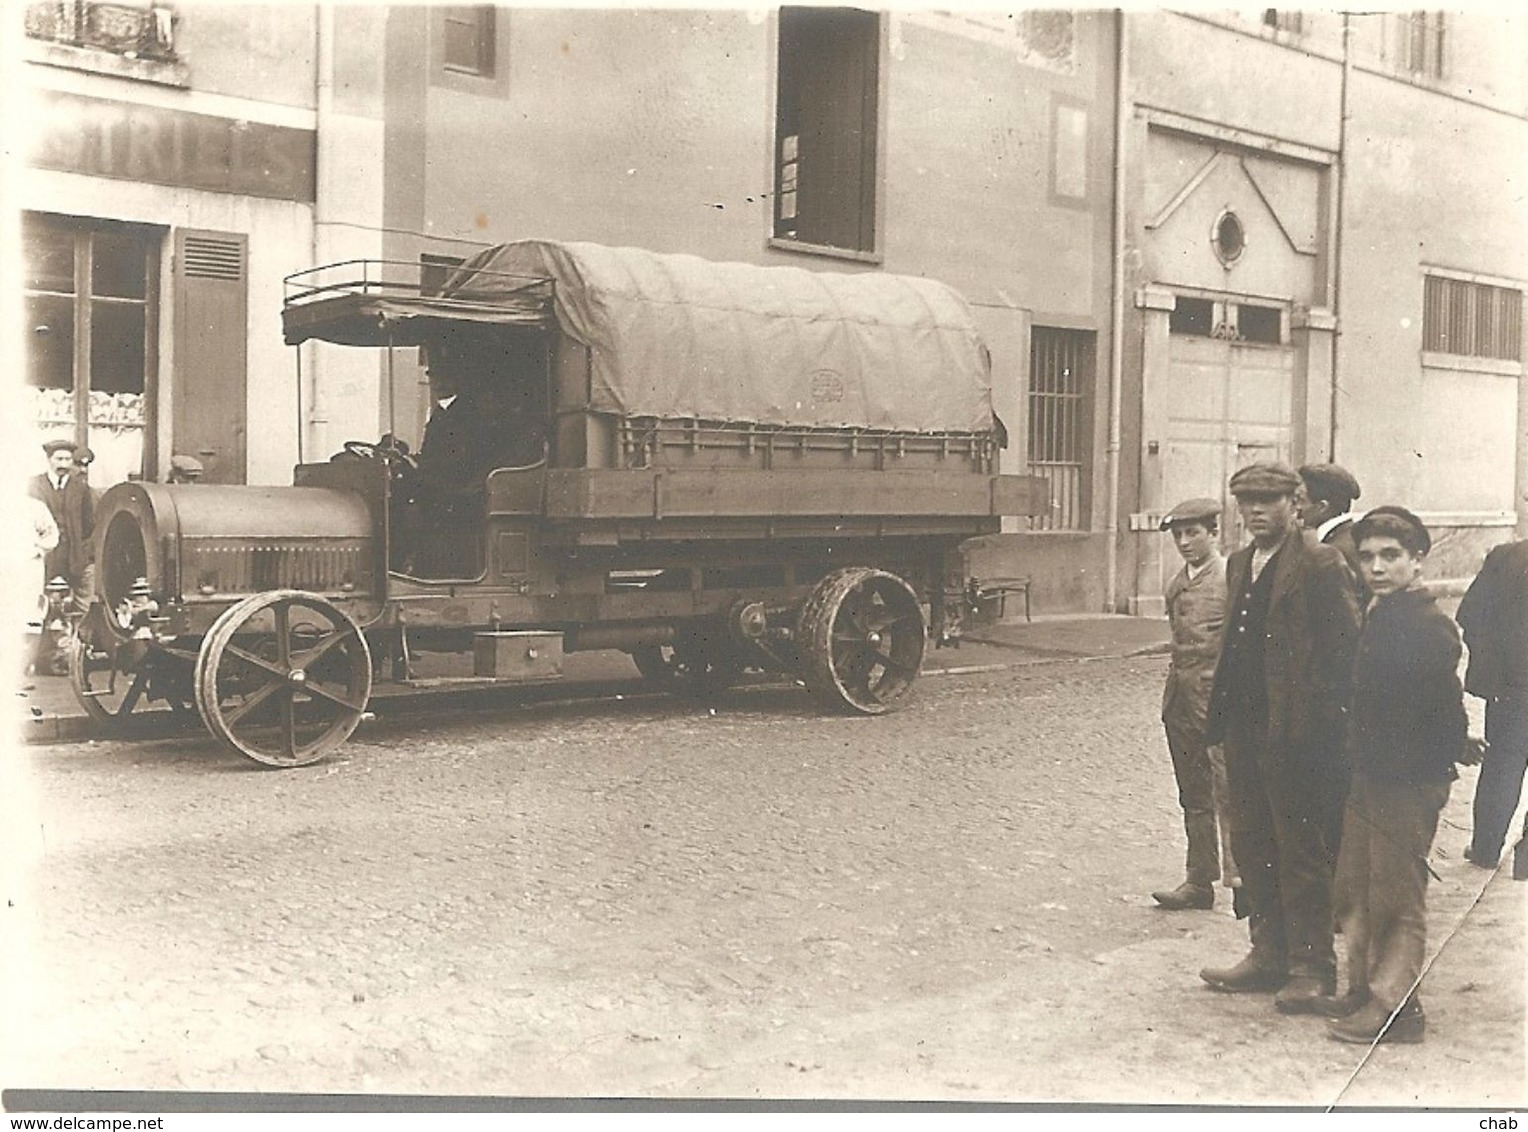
(389, 449)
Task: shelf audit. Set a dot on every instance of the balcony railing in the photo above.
(132, 31)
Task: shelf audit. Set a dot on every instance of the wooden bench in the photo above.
(983, 589)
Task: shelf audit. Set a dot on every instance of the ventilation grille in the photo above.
(207, 258)
(232, 566)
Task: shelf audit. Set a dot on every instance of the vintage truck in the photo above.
(728, 466)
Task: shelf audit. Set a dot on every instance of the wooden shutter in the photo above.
(210, 392)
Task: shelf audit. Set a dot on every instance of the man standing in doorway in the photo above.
(1277, 703)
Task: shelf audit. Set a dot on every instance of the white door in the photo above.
(1229, 404)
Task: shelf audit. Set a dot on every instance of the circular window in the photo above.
(1229, 239)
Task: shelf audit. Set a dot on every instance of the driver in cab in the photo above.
(463, 442)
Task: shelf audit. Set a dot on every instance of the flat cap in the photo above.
(185, 466)
(1329, 481)
(1192, 511)
(1394, 522)
(83, 456)
(52, 446)
(1265, 479)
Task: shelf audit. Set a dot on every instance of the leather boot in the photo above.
(1339, 1005)
(1251, 975)
(1374, 1024)
(1186, 895)
(1299, 995)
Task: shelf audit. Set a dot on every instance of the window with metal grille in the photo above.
(1061, 374)
(825, 127)
(469, 35)
(1422, 42)
(1476, 320)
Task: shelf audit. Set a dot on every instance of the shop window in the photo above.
(1061, 376)
(469, 39)
(91, 311)
(1472, 319)
(825, 127)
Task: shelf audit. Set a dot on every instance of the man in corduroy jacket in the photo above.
(1278, 703)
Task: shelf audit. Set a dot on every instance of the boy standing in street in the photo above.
(1280, 690)
(1407, 728)
(1196, 611)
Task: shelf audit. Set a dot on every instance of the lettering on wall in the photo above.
(133, 142)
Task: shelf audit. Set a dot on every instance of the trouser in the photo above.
(1230, 875)
(1381, 889)
(1501, 777)
(1333, 800)
(1202, 793)
(1280, 844)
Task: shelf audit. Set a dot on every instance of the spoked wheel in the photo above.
(113, 678)
(110, 680)
(862, 635)
(283, 678)
(688, 668)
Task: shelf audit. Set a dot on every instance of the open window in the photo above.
(826, 120)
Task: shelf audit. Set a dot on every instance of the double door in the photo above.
(1229, 404)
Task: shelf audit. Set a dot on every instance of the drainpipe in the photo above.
(323, 89)
(1342, 192)
(1117, 320)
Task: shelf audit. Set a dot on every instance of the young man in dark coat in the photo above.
(1494, 617)
(68, 497)
(1326, 507)
(1277, 703)
(1406, 729)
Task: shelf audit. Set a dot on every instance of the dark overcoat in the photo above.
(1494, 617)
(1407, 721)
(1312, 637)
(74, 513)
(1341, 538)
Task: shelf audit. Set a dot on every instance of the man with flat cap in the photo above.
(1278, 701)
(1326, 507)
(67, 495)
(1196, 613)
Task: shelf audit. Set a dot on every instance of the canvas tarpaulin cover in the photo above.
(676, 336)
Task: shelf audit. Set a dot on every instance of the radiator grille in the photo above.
(240, 567)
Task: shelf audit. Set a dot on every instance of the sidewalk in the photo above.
(49, 712)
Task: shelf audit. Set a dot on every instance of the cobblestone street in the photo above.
(642, 897)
